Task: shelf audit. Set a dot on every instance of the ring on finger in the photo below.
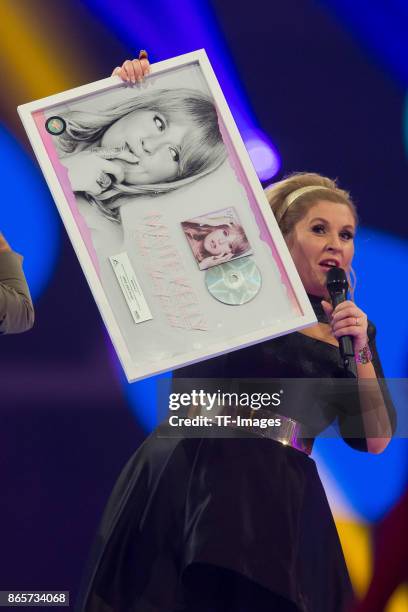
(357, 321)
(104, 180)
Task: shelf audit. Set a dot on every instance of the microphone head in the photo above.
(337, 281)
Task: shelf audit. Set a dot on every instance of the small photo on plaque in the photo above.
(216, 237)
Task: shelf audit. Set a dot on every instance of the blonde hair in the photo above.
(198, 232)
(202, 149)
(278, 193)
(288, 216)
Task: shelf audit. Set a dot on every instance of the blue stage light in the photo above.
(371, 483)
(380, 26)
(380, 258)
(263, 155)
(28, 216)
(146, 396)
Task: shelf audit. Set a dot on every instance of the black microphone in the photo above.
(337, 286)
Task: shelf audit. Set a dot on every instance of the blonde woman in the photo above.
(154, 143)
(243, 525)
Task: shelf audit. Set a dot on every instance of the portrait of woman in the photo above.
(215, 240)
(150, 144)
(215, 524)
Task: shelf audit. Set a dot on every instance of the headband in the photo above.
(292, 197)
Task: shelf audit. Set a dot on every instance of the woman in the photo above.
(16, 307)
(215, 244)
(243, 524)
(151, 144)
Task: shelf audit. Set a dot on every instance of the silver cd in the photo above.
(235, 282)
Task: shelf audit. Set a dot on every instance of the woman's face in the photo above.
(322, 239)
(150, 146)
(219, 242)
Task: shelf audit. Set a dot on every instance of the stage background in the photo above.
(316, 86)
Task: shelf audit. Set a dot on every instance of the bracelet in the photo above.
(364, 355)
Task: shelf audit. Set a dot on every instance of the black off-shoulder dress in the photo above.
(237, 525)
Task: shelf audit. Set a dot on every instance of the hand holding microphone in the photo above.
(348, 322)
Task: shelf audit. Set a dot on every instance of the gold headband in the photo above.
(292, 197)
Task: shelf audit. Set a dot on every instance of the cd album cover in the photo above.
(216, 238)
(167, 216)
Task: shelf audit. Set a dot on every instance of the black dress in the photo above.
(237, 525)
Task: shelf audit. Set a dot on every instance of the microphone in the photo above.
(337, 286)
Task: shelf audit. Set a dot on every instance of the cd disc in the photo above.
(235, 282)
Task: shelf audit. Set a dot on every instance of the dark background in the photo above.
(329, 103)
